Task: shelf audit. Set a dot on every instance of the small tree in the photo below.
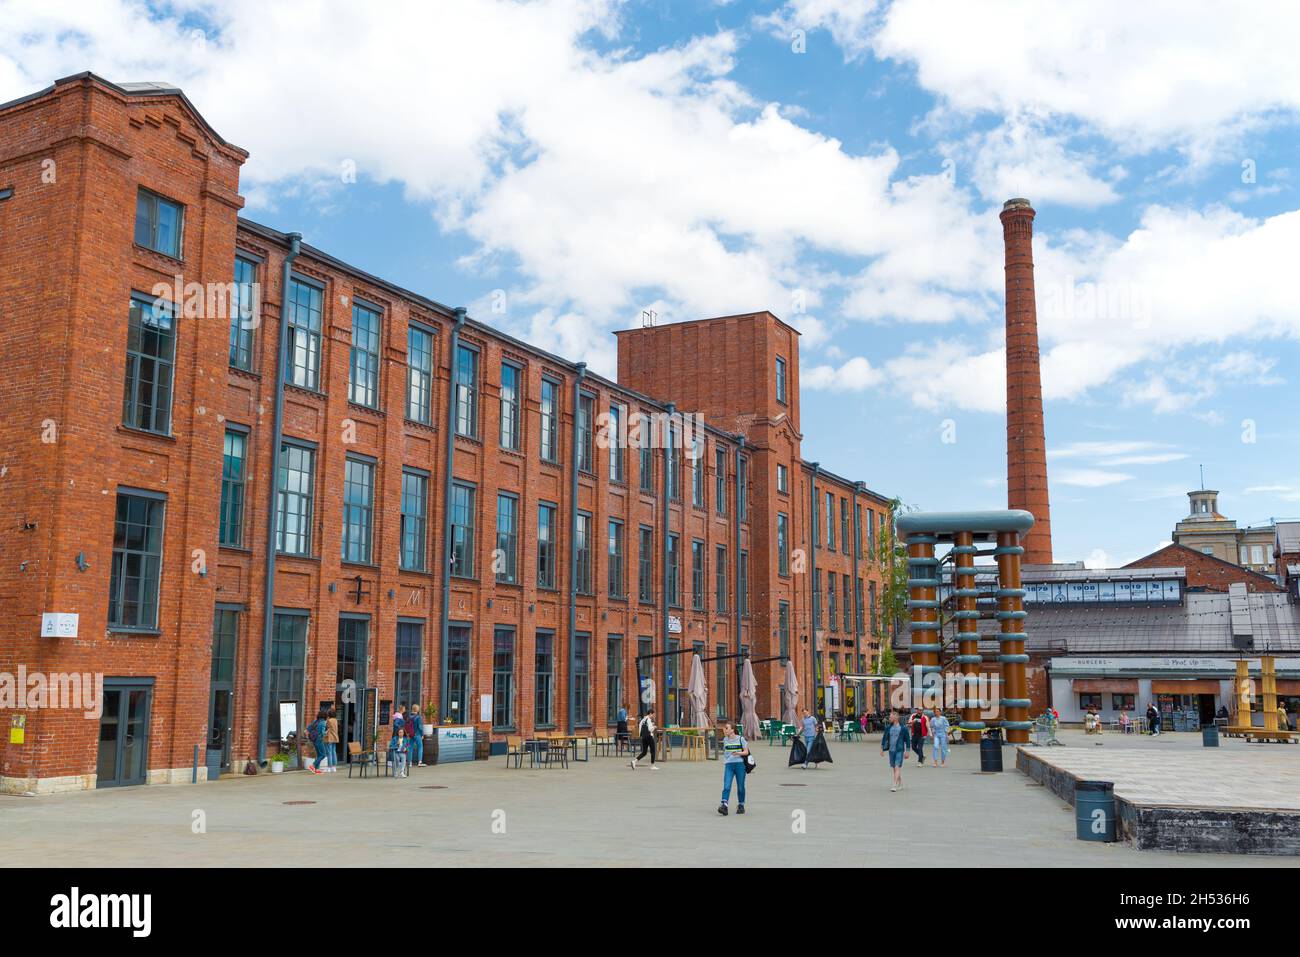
(891, 553)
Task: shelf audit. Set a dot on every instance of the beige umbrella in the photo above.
(791, 715)
(748, 701)
(698, 693)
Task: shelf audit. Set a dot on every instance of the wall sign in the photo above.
(58, 624)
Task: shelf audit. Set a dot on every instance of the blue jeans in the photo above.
(417, 749)
(399, 762)
(733, 769)
(332, 753)
(940, 744)
(808, 740)
(320, 754)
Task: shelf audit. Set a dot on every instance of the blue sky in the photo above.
(561, 165)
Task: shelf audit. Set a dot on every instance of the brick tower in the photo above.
(1026, 445)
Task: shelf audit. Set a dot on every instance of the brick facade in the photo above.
(70, 268)
(1205, 572)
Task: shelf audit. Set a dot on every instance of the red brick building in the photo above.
(187, 376)
(1205, 572)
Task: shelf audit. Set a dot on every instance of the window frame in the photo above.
(155, 223)
(134, 384)
(366, 394)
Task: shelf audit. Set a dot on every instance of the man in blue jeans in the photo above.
(734, 751)
(415, 728)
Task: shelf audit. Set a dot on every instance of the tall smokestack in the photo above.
(1026, 446)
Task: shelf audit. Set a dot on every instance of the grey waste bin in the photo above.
(991, 752)
(213, 759)
(1094, 811)
(1209, 736)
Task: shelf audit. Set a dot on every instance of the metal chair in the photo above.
(557, 750)
(361, 759)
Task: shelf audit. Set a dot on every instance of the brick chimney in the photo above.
(1026, 446)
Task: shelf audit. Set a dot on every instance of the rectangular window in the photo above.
(617, 588)
(467, 391)
(617, 453)
(507, 558)
(550, 409)
(503, 678)
(782, 478)
(419, 375)
(462, 530)
(408, 671)
(674, 464)
(582, 680)
(720, 480)
(225, 638)
(244, 312)
(697, 575)
(697, 472)
(844, 603)
(363, 365)
(720, 578)
(303, 333)
(857, 598)
(1243, 553)
(159, 223)
(742, 571)
(288, 659)
(613, 677)
(832, 610)
(817, 600)
(415, 504)
(783, 628)
(782, 543)
(510, 376)
(582, 555)
(646, 466)
(233, 470)
(358, 510)
(674, 572)
(296, 483)
(547, 535)
(871, 535)
(1257, 554)
(721, 693)
(1089, 700)
(780, 380)
(830, 521)
(1123, 702)
(150, 362)
(742, 488)
(457, 704)
(857, 529)
(586, 422)
(645, 565)
(137, 561)
(844, 524)
(352, 651)
(543, 678)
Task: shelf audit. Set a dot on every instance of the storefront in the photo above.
(1188, 691)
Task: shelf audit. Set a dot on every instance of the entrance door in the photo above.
(221, 695)
(124, 734)
(354, 634)
(1206, 708)
(219, 713)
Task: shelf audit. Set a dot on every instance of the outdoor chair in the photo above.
(361, 759)
(515, 750)
(557, 751)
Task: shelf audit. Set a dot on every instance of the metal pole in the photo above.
(573, 545)
(450, 460)
(663, 597)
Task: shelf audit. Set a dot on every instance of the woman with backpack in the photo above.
(646, 729)
(735, 750)
(917, 730)
(316, 734)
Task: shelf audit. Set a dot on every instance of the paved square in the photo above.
(600, 813)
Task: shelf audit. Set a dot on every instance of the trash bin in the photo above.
(1094, 811)
(213, 763)
(1209, 736)
(991, 752)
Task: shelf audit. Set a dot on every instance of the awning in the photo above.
(1101, 685)
(1186, 686)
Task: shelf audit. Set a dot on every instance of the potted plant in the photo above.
(430, 716)
(278, 762)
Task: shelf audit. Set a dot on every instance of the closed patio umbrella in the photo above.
(748, 702)
(698, 694)
(791, 715)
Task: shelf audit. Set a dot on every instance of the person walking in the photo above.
(939, 726)
(415, 724)
(735, 749)
(646, 730)
(620, 734)
(400, 750)
(332, 739)
(917, 728)
(316, 733)
(809, 735)
(894, 744)
(1153, 718)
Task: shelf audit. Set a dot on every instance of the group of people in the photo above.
(901, 736)
(405, 746)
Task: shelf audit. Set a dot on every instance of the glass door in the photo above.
(124, 735)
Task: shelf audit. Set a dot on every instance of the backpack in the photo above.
(314, 731)
(750, 764)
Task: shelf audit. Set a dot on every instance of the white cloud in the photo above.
(1089, 478)
(1022, 155)
(854, 375)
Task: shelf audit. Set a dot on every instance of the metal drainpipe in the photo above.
(740, 445)
(277, 434)
(816, 605)
(857, 617)
(450, 459)
(663, 592)
(573, 544)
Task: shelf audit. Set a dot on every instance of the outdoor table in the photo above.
(572, 740)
